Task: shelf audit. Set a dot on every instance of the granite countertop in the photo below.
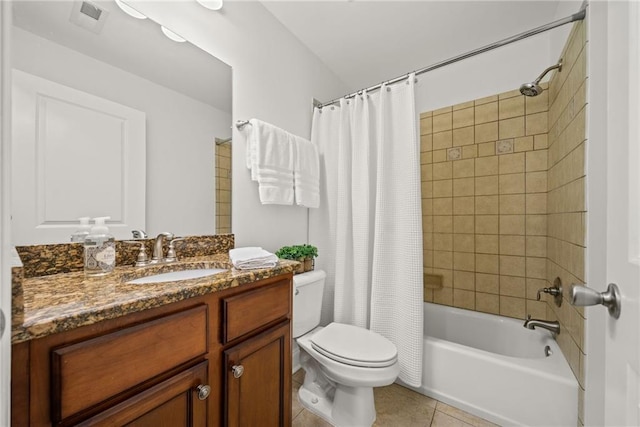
(60, 302)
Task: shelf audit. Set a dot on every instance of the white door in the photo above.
(623, 232)
(73, 155)
(613, 346)
(5, 275)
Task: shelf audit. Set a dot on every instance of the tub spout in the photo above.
(553, 327)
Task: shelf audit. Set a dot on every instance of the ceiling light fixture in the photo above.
(211, 4)
(173, 36)
(129, 10)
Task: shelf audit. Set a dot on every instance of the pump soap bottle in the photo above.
(99, 249)
(82, 232)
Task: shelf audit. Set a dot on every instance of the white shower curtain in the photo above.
(369, 227)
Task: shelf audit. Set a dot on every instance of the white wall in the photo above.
(274, 79)
(496, 71)
(558, 37)
(180, 159)
(489, 73)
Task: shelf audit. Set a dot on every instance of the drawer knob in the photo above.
(203, 391)
(237, 370)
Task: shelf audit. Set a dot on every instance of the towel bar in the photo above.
(242, 123)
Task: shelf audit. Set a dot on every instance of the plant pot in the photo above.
(308, 264)
(300, 268)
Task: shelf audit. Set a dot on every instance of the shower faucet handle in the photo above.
(555, 291)
(550, 291)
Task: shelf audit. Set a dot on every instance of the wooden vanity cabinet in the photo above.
(257, 383)
(178, 401)
(167, 366)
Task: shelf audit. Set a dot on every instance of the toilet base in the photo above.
(339, 405)
(350, 406)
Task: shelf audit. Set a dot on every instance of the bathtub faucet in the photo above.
(553, 327)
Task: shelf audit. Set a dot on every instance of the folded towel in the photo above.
(270, 158)
(251, 258)
(306, 172)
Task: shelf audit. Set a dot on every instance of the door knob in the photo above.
(584, 296)
(203, 391)
(237, 370)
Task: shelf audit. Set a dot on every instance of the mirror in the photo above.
(111, 117)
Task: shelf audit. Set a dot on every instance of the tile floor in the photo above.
(396, 406)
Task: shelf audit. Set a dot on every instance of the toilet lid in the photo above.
(355, 346)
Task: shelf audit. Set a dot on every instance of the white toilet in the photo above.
(342, 363)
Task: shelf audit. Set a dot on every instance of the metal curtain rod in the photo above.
(578, 16)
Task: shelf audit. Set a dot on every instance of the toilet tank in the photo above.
(308, 289)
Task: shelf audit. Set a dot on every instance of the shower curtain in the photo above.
(369, 227)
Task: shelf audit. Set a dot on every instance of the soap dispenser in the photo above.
(99, 249)
(82, 232)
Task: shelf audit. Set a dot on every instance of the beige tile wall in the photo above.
(566, 202)
(223, 188)
(503, 201)
(484, 183)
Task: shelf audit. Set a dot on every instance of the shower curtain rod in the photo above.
(578, 16)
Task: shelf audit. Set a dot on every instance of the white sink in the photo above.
(177, 275)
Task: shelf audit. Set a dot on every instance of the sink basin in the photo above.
(177, 275)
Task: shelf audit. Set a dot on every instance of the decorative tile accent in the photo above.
(454, 153)
(504, 146)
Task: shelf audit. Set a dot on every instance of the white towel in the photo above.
(251, 258)
(270, 158)
(306, 172)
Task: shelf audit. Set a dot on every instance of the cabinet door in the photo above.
(174, 402)
(144, 351)
(258, 380)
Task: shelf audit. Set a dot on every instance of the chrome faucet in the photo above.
(158, 247)
(552, 326)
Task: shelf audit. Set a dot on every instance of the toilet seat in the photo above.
(354, 346)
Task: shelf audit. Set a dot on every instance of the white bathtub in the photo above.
(493, 367)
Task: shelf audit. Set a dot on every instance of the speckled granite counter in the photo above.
(61, 302)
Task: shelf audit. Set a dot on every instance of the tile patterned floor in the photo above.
(396, 406)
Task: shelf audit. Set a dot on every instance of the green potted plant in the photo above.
(309, 252)
(293, 253)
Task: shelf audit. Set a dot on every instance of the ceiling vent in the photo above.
(91, 10)
(88, 16)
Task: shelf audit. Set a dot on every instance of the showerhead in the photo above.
(531, 89)
(534, 88)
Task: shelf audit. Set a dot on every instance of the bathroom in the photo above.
(275, 79)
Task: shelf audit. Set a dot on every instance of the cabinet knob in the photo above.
(237, 370)
(203, 391)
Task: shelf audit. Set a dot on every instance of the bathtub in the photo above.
(494, 368)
